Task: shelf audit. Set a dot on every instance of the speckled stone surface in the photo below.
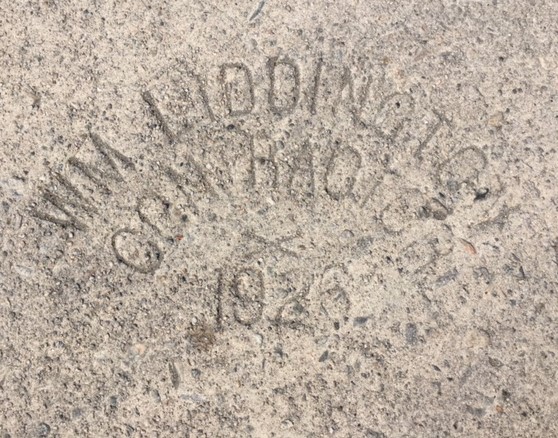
(278, 218)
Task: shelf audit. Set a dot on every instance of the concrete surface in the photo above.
(278, 218)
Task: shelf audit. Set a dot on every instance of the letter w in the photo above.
(100, 176)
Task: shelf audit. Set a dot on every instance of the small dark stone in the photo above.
(439, 215)
(477, 412)
(482, 273)
(324, 356)
(453, 186)
(481, 194)
(411, 333)
(495, 362)
(43, 430)
(113, 403)
(449, 276)
(196, 373)
(175, 376)
(365, 242)
(360, 320)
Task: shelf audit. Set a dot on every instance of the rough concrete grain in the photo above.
(278, 218)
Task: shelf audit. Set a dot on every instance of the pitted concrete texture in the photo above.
(279, 218)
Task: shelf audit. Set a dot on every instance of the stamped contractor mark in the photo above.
(262, 188)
